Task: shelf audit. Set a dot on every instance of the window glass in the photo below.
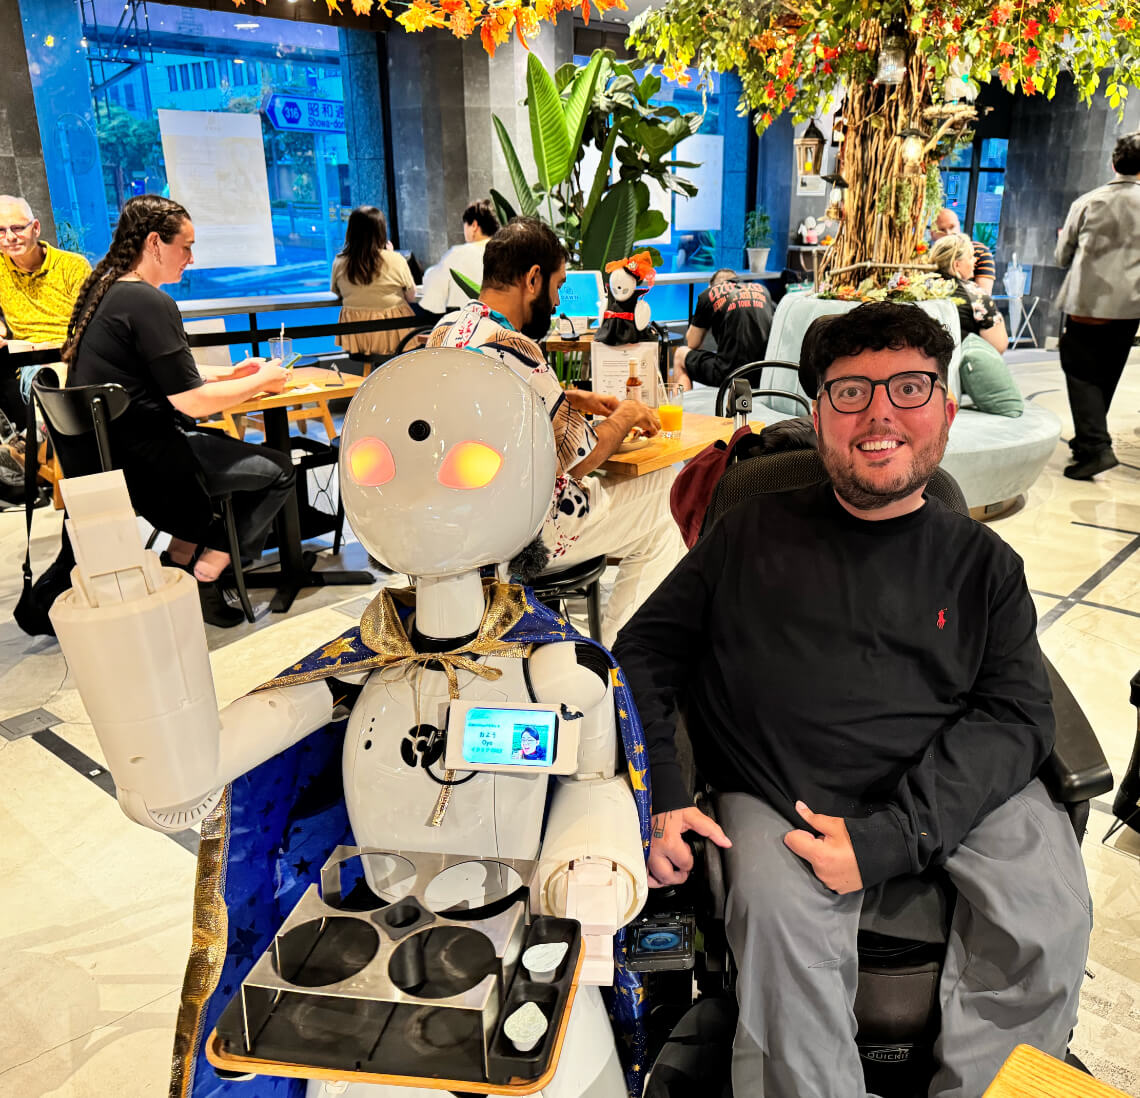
(165, 57)
(956, 190)
(993, 152)
(987, 207)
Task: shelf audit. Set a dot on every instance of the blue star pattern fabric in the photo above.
(287, 815)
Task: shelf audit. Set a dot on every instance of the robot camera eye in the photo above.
(469, 465)
(419, 429)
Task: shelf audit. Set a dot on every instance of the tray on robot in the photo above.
(398, 993)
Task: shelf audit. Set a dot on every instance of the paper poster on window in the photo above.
(701, 212)
(215, 164)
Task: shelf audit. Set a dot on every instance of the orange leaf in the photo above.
(586, 12)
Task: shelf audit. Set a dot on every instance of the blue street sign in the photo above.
(291, 112)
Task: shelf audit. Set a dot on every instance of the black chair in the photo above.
(1126, 803)
(754, 372)
(402, 346)
(896, 1004)
(578, 581)
(84, 409)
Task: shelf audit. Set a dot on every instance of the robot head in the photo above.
(446, 462)
(622, 284)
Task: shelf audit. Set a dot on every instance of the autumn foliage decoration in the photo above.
(494, 20)
(801, 55)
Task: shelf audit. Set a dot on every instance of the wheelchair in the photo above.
(896, 1005)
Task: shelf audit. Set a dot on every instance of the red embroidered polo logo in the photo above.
(942, 618)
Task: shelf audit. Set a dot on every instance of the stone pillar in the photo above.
(364, 120)
(21, 155)
(444, 149)
(1058, 150)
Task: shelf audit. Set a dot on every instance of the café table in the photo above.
(297, 571)
(1030, 1073)
(697, 432)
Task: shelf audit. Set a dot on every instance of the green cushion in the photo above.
(986, 380)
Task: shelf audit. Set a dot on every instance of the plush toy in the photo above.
(626, 316)
(809, 230)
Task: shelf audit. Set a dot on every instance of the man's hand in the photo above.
(670, 858)
(681, 378)
(637, 415)
(831, 857)
(272, 376)
(591, 404)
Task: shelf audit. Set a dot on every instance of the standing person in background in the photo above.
(38, 287)
(441, 294)
(125, 330)
(1100, 297)
(740, 316)
(945, 223)
(372, 281)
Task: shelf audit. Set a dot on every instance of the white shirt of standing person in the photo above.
(441, 293)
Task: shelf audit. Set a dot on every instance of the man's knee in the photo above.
(679, 356)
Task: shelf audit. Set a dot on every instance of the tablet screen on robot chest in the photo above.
(512, 737)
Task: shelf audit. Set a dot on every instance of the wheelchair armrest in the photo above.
(1077, 769)
(713, 859)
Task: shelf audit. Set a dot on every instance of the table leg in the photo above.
(296, 570)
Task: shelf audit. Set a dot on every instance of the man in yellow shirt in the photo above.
(38, 287)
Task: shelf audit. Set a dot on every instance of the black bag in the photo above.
(36, 599)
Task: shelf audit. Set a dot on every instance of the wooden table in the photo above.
(697, 432)
(1029, 1073)
(297, 570)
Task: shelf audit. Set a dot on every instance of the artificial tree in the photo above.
(799, 55)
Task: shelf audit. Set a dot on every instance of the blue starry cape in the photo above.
(276, 826)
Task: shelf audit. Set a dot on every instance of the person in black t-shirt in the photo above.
(862, 683)
(740, 316)
(126, 330)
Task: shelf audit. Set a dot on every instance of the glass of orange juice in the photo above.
(671, 410)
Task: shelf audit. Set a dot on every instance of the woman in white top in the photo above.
(372, 281)
(441, 293)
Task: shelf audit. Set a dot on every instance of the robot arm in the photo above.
(132, 634)
(591, 865)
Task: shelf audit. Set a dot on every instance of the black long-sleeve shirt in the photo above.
(887, 672)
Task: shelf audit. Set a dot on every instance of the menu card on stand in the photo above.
(609, 368)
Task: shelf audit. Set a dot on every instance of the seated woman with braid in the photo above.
(126, 330)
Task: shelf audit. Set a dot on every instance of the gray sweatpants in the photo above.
(1014, 961)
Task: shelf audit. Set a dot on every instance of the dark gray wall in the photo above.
(364, 119)
(1058, 150)
(444, 149)
(21, 155)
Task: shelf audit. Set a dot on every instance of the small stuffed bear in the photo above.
(626, 316)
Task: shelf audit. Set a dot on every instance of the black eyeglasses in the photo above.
(15, 230)
(853, 394)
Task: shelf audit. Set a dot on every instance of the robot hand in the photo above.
(132, 634)
(641, 315)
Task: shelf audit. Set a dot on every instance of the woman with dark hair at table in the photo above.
(126, 330)
(372, 281)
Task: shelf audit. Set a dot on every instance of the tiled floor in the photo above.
(95, 912)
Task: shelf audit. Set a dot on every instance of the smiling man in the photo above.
(38, 287)
(862, 684)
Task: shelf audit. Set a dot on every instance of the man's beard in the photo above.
(865, 494)
(541, 312)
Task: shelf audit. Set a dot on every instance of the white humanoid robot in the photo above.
(447, 465)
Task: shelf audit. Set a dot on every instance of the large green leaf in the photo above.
(579, 101)
(527, 202)
(564, 74)
(650, 224)
(601, 179)
(549, 141)
(470, 288)
(504, 211)
(610, 234)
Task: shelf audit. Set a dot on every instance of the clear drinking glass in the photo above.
(281, 347)
(671, 410)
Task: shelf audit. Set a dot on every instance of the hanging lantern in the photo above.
(892, 58)
(809, 150)
(838, 130)
(837, 200)
(913, 144)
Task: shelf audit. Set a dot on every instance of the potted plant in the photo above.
(758, 239)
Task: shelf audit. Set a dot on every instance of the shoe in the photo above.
(215, 609)
(1087, 467)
